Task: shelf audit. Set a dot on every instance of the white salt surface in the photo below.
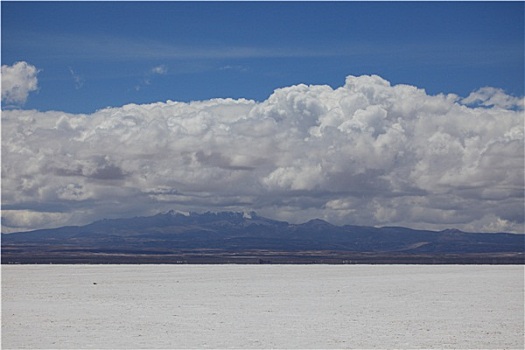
(269, 306)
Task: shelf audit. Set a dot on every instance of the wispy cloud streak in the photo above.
(77, 79)
(113, 48)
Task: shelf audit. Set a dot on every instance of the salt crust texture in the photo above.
(242, 306)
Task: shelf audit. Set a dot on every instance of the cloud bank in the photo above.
(18, 81)
(366, 153)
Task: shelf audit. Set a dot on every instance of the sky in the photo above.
(371, 113)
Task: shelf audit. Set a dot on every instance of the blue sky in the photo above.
(97, 54)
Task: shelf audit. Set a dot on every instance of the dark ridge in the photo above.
(231, 237)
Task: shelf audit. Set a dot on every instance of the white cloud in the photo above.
(18, 81)
(235, 68)
(23, 220)
(148, 76)
(162, 69)
(489, 96)
(366, 153)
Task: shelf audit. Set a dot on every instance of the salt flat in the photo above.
(267, 306)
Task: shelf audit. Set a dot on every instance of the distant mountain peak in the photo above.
(249, 215)
(178, 213)
(318, 222)
(452, 231)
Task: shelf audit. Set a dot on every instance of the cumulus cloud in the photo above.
(489, 96)
(18, 81)
(365, 153)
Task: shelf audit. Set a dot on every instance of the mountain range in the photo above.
(247, 237)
